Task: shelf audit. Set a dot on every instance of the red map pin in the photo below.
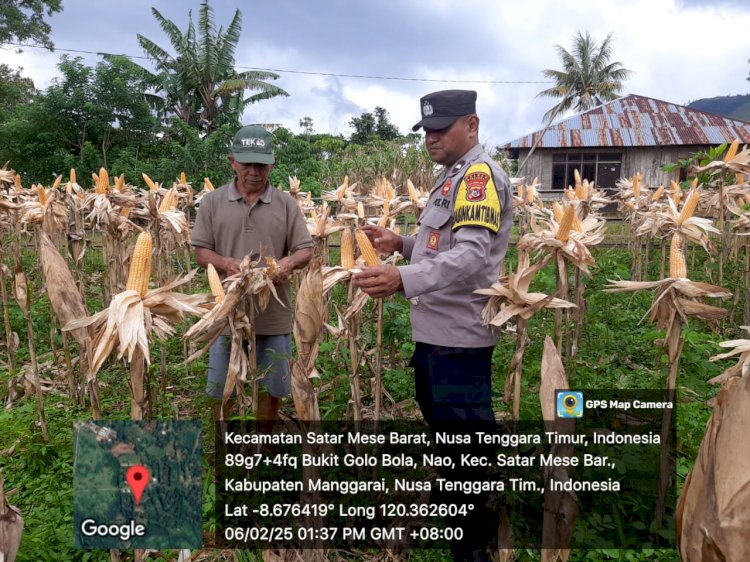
(137, 477)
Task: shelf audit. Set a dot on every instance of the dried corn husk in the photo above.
(713, 512)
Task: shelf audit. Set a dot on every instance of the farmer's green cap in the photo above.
(253, 145)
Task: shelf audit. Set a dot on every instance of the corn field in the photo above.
(114, 263)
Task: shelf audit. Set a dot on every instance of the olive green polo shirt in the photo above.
(272, 226)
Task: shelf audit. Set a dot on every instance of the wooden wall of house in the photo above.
(646, 160)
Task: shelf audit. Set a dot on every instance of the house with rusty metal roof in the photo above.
(619, 138)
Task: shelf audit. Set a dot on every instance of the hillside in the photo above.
(736, 107)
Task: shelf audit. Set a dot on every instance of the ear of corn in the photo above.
(740, 178)
(413, 195)
(120, 182)
(732, 150)
(183, 178)
(366, 249)
(360, 210)
(42, 194)
(57, 182)
(655, 196)
(347, 249)
(125, 212)
(677, 263)
(72, 175)
(17, 183)
(688, 209)
(577, 176)
(169, 200)
(557, 211)
(208, 185)
(520, 191)
(637, 184)
(566, 223)
(104, 180)
(150, 183)
(215, 283)
(530, 195)
(140, 265)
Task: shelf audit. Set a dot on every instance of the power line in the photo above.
(306, 72)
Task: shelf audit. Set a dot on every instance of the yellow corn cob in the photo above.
(308, 199)
(360, 210)
(637, 185)
(125, 212)
(208, 185)
(366, 249)
(183, 178)
(72, 175)
(347, 249)
(629, 205)
(104, 179)
(530, 195)
(17, 183)
(577, 176)
(675, 186)
(676, 198)
(413, 195)
(677, 263)
(140, 265)
(42, 194)
(150, 183)
(569, 193)
(389, 191)
(740, 178)
(688, 209)
(169, 200)
(566, 223)
(655, 196)
(732, 150)
(520, 191)
(341, 191)
(57, 182)
(215, 283)
(120, 182)
(557, 211)
(69, 188)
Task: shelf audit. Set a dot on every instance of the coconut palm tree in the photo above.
(587, 78)
(199, 84)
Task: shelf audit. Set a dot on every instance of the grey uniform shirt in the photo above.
(272, 226)
(462, 239)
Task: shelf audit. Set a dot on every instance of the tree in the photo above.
(200, 84)
(370, 126)
(15, 90)
(587, 78)
(307, 126)
(23, 20)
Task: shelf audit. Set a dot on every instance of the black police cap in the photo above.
(441, 109)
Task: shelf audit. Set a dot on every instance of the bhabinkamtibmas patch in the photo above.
(477, 203)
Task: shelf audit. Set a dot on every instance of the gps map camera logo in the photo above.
(569, 404)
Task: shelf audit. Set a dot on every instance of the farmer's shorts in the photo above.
(272, 358)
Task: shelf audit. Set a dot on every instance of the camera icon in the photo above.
(569, 404)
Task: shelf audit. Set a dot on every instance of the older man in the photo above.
(462, 240)
(249, 217)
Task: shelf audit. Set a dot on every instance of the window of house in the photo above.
(603, 168)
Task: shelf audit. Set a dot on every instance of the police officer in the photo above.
(461, 243)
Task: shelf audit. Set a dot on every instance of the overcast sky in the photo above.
(680, 50)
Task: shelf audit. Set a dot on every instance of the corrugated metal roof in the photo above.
(638, 121)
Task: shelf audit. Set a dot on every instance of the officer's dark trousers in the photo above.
(453, 389)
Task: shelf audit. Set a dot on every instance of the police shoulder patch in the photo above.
(477, 203)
